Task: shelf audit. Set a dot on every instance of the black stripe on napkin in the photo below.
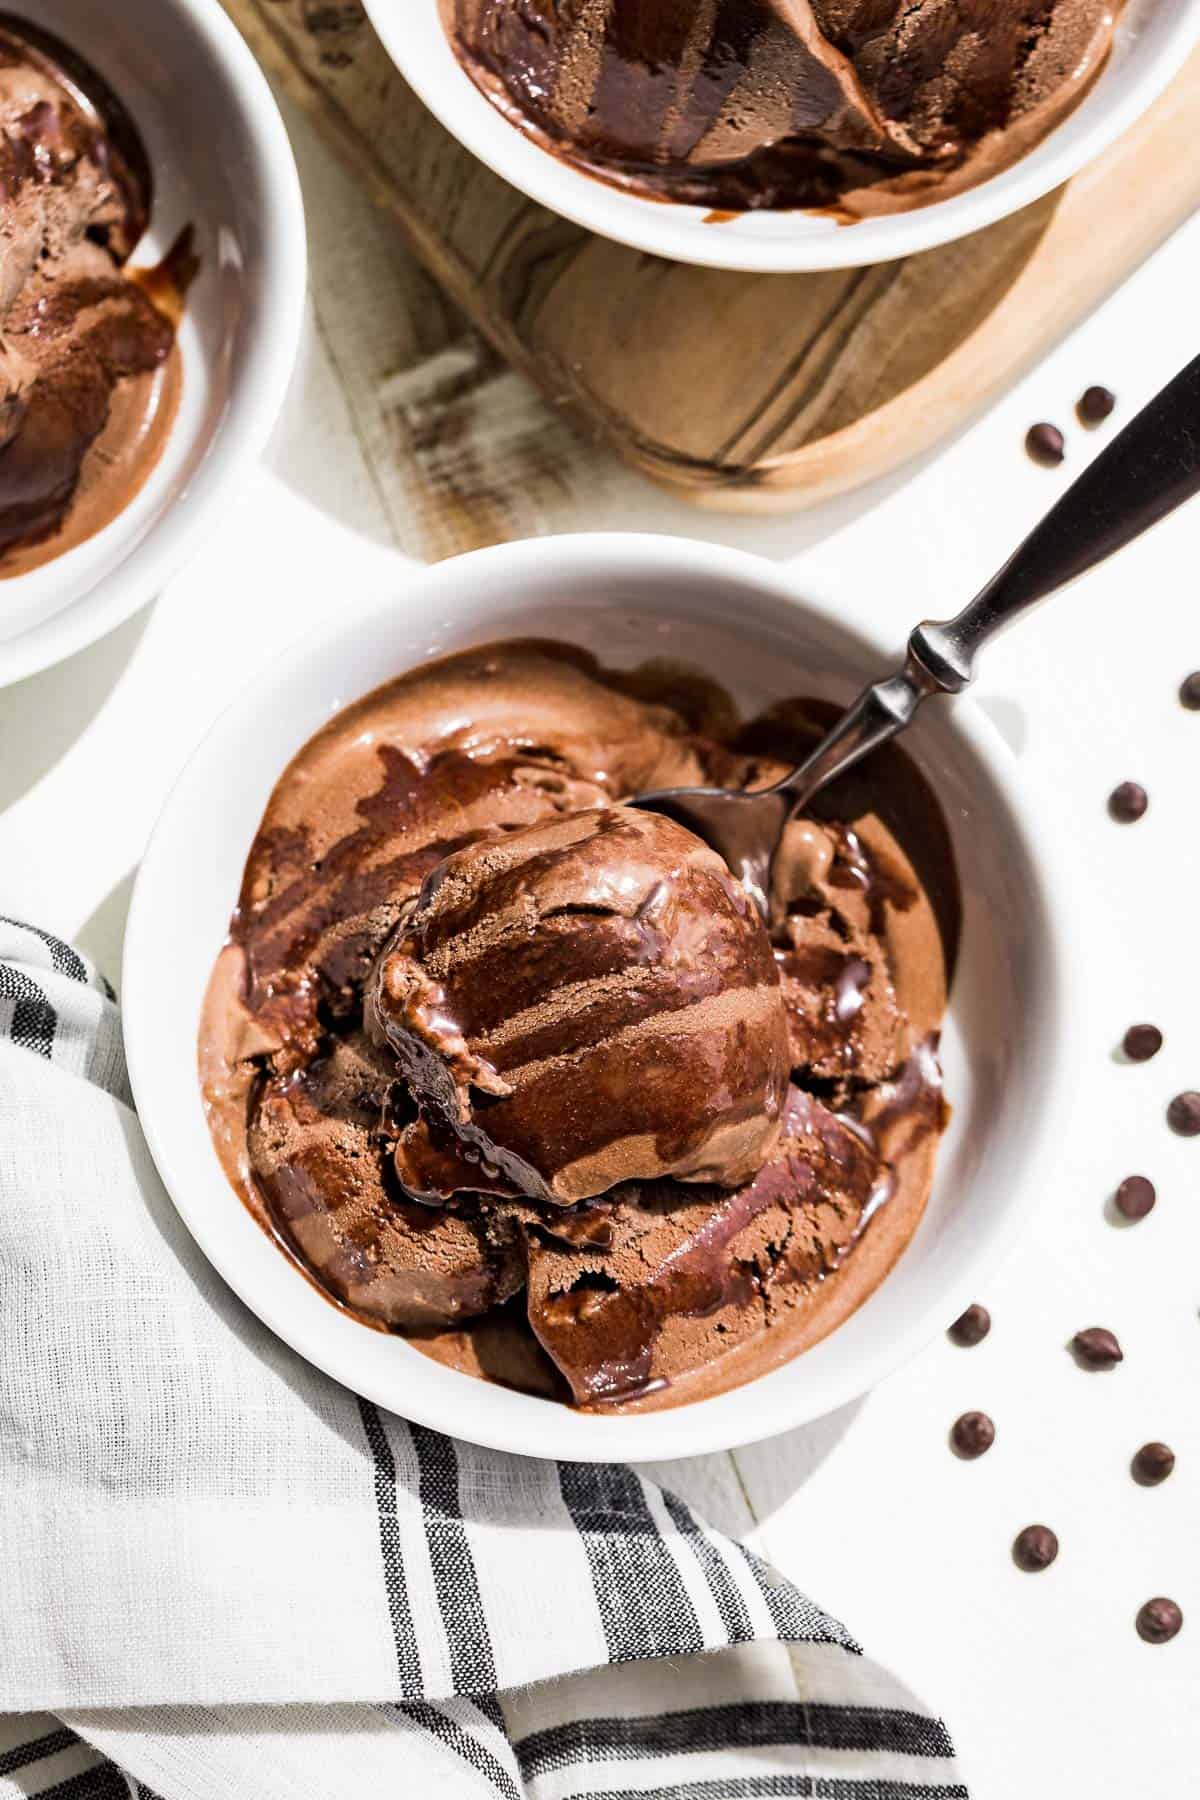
(36, 1750)
(407, 1656)
(785, 1787)
(727, 1596)
(34, 1020)
(490, 1707)
(63, 960)
(644, 1607)
(472, 1664)
(752, 1725)
(469, 1748)
(794, 1617)
(103, 1781)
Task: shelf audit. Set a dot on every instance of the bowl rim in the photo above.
(543, 1429)
(253, 406)
(667, 229)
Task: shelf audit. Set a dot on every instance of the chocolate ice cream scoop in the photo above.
(582, 1003)
(517, 1069)
(313, 1139)
(679, 1265)
(737, 104)
(85, 353)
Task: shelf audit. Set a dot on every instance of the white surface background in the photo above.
(1042, 1678)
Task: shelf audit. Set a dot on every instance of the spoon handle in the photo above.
(1150, 468)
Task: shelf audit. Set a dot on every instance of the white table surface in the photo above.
(1042, 1678)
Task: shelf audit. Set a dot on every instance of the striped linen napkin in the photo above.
(222, 1575)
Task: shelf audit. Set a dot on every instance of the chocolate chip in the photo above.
(1095, 405)
(1141, 1042)
(972, 1327)
(973, 1434)
(1096, 1348)
(1152, 1464)
(1135, 1197)
(1035, 1548)
(1159, 1621)
(1183, 1114)
(1189, 692)
(1046, 445)
(1127, 803)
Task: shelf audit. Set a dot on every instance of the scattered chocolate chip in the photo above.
(1096, 1348)
(972, 1327)
(1045, 444)
(1127, 803)
(1183, 1114)
(1159, 1621)
(1135, 1197)
(1095, 405)
(1141, 1042)
(1189, 692)
(1035, 1548)
(1152, 1464)
(973, 1434)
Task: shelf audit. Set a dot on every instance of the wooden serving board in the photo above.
(749, 392)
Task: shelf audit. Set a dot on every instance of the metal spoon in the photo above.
(1150, 468)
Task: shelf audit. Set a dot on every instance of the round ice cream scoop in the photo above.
(585, 1002)
(312, 1141)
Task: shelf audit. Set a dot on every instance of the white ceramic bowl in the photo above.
(626, 597)
(1153, 38)
(221, 160)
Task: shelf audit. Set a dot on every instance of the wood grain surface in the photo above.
(822, 381)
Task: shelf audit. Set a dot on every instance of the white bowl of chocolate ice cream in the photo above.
(152, 277)
(499, 1101)
(787, 134)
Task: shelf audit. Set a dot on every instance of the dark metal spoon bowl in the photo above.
(1149, 468)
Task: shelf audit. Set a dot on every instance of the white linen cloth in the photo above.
(223, 1575)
